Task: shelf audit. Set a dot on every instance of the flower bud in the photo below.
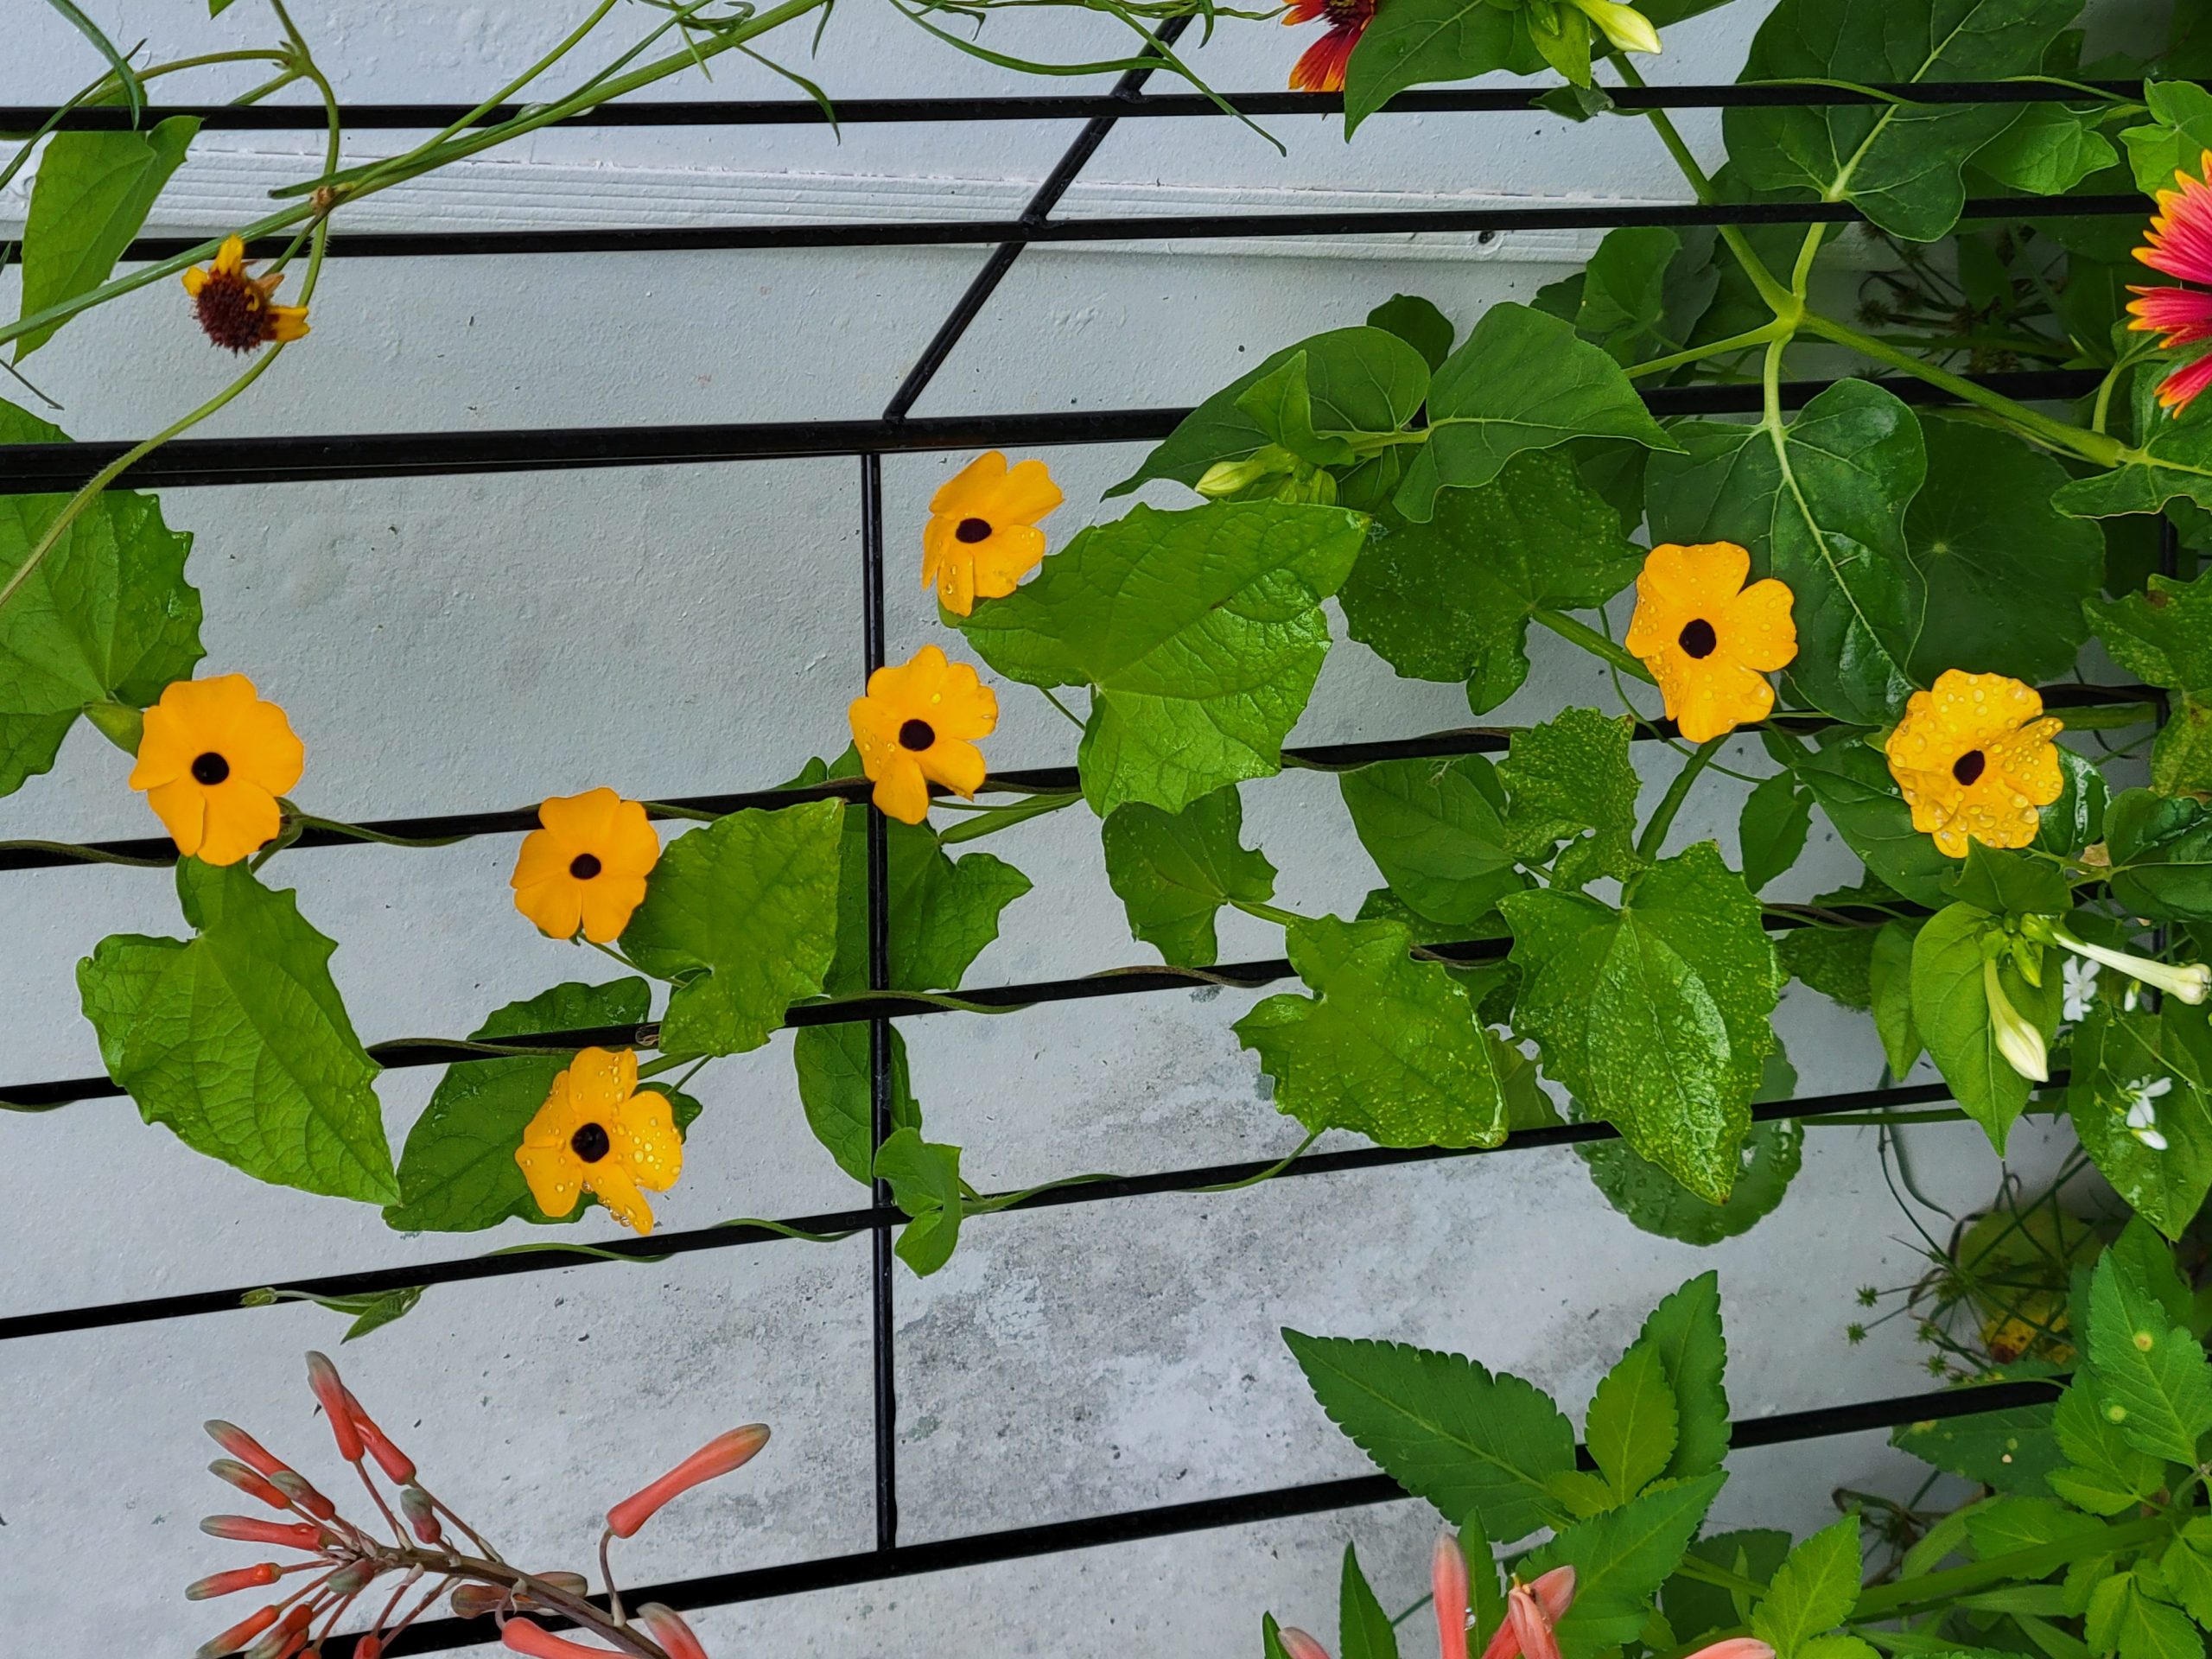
(398, 1468)
(330, 1394)
(522, 1636)
(2191, 981)
(422, 1515)
(1629, 29)
(1227, 477)
(369, 1646)
(243, 1446)
(1299, 1645)
(351, 1580)
(718, 1457)
(244, 1529)
(1737, 1647)
(238, 1578)
(1447, 1581)
(303, 1494)
(237, 1474)
(239, 1635)
(663, 1625)
(476, 1600)
(2020, 1042)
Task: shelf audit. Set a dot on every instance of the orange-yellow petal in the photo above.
(646, 1139)
(612, 1186)
(556, 905)
(902, 793)
(608, 903)
(956, 765)
(181, 805)
(1759, 629)
(582, 821)
(241, 819)
(555, 1176)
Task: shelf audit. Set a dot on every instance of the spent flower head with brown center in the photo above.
(238, 311)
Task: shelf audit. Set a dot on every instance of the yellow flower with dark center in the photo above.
(915, 728)
(238, 310)
(983, 537)
(586, 866)
(1709, 640)
(599, 1133)
(213, 759)
(1975, 760)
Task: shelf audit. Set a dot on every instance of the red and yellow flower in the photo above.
(2179, 243)
(1975, 761)
(238, 310)
(213, 759)
(599, 1133)
(983, 537)
(917, 725)
(1709, 641)
(1321, 68)
(586, 866)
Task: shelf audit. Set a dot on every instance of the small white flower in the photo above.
(2132, 998)
(2080, 987)
(2142, 1116)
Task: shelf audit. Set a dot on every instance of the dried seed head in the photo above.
(718, 1457)
(238, 1578)
(330, 1394)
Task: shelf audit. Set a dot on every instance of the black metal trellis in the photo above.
(198, 462)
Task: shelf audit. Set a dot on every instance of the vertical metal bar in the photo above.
(879, 1069)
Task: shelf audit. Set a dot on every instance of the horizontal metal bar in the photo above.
(1327, 757)
(30, 468)
(1078, 106)
(1148, 227)
(553, 1258)
(1204, 1515)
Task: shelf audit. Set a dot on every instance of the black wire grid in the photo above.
(214, 462)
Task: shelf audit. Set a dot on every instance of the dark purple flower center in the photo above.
(1970, 765)
(210, 769)
(584, 866)
(1698, 637)
(917, 734)
(972, 530)
(589, 1143)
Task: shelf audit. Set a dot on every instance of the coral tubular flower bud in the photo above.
(247, 1450)
(1555, 1594)
(1737, 1647)
(422, 1515)
(369, 1646)
(239, 1635)
(1299, 1645)
(1524, 1615)
(238, 1578)
(665, 1627)
(330, 1394)
(398, 1468)
(1447, 1580)
(244, 1529)
(523, 1635)
(287, 1638)
(304, 1495)
(718, 1457)
(230, 1470)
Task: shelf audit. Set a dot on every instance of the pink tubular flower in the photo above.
(1737, 1647)
(2179, 243)
(330, 1394)
(526, 1636)
(665, 1627)
(1447, 1581)
(244, 1529)
(238, 1578)
(718, 1457)
(1531, 1610)
(1299, 1645)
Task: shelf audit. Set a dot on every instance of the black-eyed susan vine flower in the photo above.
(1321, 68)
(983, 537)
(599, 1133)
(2179, 243)
(917, 725)
(1708, 640)
(1975, 760)
(213, 759)
(586, 866)
(238, 310)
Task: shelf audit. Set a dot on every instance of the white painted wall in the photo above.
(447, 644)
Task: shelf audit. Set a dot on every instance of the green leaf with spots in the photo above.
(1900, 164)
(107, 613)
(2164, 636)
(2006, 571)
(1436, 829)
(1452, 599)
(457, 1173)
(742, 915)
(1656, 1203)
(1814, 1590)
(1837, 962)
(238, 1040)
(2161, 852)
(836, 1090)
(91, 197)
(1620, 1559)
(1521, 381)
(2102, 1473)
(1655, 1016)
(1387, 1046)
(2151, 1375)
(926, 1183)
(1445, 1428)
(2010, 1451)
(1570, 779)
(2124, 1061)
(1952, 1011)
(1173, 871)
(1820, 505)
(1200, 634)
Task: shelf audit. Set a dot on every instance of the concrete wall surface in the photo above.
(448, 643)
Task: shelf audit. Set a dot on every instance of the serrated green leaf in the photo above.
(1620, 1559)
(1633, 1426)
(1452, 599)
(2006, 572)
(1656, 1203)
(2009, 1450)
(1365, 1631)
(237, 1038)
(1951, 1011)
(2187, 1567)
(1173, 871)
(107, 615)
(2103, 1473)
(1521, 381)
(925, 1178)
(1436, 829)
(837, 1089)
(2164, 636)
(1900, 164)
(2124, 1619)
(1812, 1590)
(742, 912)
(1685, 1331)
(1694, 1608)
(1821, 506)
(2007, 1524)
(1387, 1046)
(91, 197)
(457, 1172)
(2151, 1378)
(2119, 1058)
(1200, 634)
(1570, 779)
(1655, 1016)
(1443, 1428)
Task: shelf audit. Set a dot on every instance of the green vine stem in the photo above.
(1663, 818)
